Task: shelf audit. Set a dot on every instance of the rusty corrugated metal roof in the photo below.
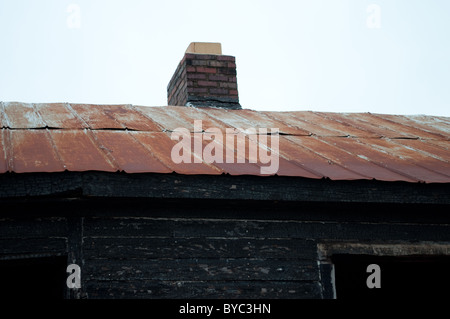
(136, 139)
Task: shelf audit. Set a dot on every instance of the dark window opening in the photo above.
(400, 277)
(33, 278)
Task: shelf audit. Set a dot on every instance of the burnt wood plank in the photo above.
(148, 289)
(224, 209)
(33, 246)
(102, 184)
(261, 188)
(186, 248)
(39, 184)
(75, 251)
(33, 227)
(202, 269)
(221, 228)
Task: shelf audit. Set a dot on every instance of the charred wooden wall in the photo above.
(131, 248)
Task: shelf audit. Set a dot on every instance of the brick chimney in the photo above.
(204, 78)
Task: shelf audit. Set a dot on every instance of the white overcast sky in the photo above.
(380, 56)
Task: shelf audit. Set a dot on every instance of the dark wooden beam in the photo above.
(225, 187)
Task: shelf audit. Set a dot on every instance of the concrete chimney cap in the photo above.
(205, 48)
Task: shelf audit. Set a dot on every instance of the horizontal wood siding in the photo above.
(263, 229)
(32, 237)
(126, 255)
(222, 258)
(133, 249)
(202, 289)
(225, 187)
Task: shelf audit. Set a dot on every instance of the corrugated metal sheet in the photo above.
(79, 151)
(3, 151)
(59, 116)
(33, 151)
(136, 139)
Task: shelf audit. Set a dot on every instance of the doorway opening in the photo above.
(33, 278)
(400, 277)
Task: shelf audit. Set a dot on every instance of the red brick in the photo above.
(201, 63)
(219, 91)
(205, 57)
(189, 56)
(206, 70)
(190, 69)
(233, 92)
(207, 83)
(231, 65)
(228, 85)
(196, 76)
(197, 90)
(228, 71)
(217, 78)
(226, 58)
(217, 64)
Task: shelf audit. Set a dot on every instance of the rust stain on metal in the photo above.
(131, 118)
(96, 117)
(406, 128)
(245, 119)
(131, 156)
(57, 115)
(410, 161)
(160, 145)
(3, 121)
(346, 128)
(190, 114)
(427, 148)
(294, 151)
(79, 153)
(305, 124)
(301, 128)
(361, 164)
(262, 120)
(164, 119)
(22, 115)
(365, 122)
(33, 151)
(236, 158)
(136, 139)
(286, 167)
(383, 159)
(3, 155)
(236, 164)
(435, 126)
(444, 145)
